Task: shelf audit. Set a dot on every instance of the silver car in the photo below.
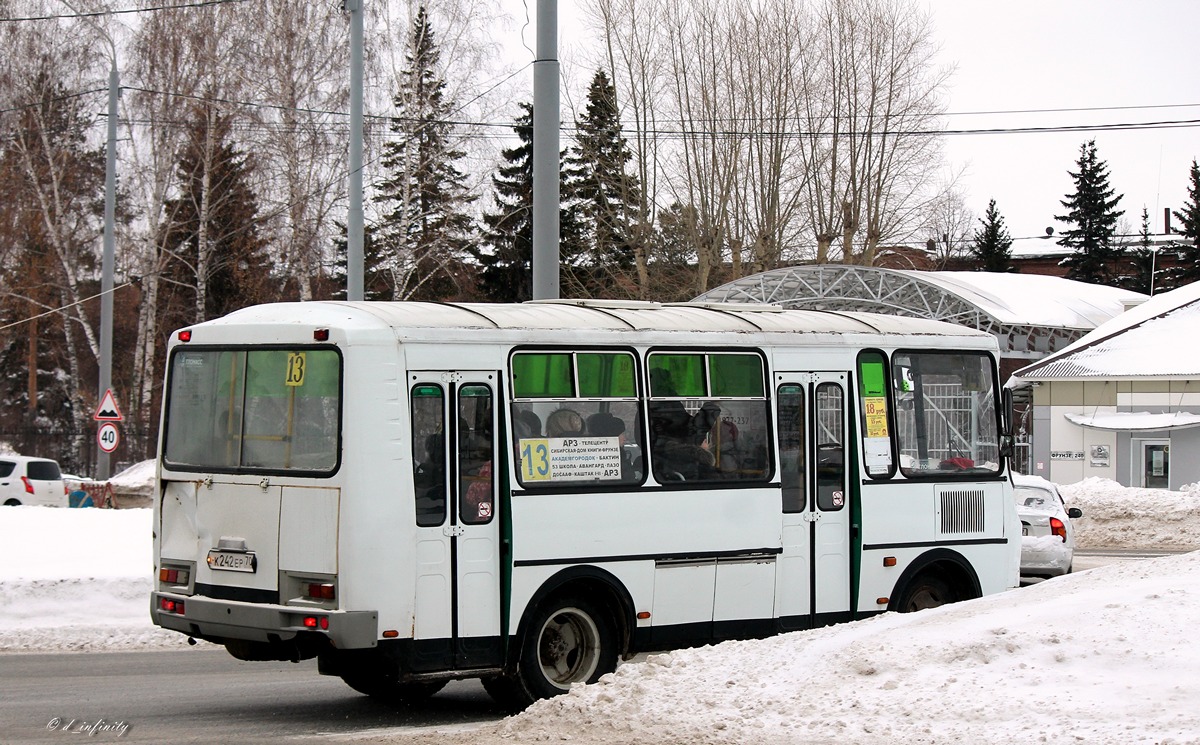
(1047, 537)
(31, 481)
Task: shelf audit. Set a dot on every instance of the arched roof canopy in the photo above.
(1031, 315)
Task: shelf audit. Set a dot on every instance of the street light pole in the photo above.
(354, 218)
(107, 260)
(546, 198)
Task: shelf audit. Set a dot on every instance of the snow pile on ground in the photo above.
(77, 579)
(1120, 516)
(1094, 657)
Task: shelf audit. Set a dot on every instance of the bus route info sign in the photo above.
(570, 459)
(877, 447)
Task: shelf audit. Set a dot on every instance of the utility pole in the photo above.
(354, 220)
(545, 154)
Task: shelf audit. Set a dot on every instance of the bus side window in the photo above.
(831, 447)
(476, 452)
(792, 471)
(429, 454)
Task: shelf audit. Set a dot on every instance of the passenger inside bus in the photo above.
(528, 424)
(429, 480)
(604, 424)
(564, 423)
(677, 437)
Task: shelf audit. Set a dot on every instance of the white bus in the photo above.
(419, 492)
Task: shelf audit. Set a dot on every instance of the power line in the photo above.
(1076, 110)
(725, 134)
(120, 11)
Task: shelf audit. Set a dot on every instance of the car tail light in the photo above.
(316, 622)
(1058, 529)
(28, 485)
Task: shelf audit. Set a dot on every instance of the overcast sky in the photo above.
(1121, 56)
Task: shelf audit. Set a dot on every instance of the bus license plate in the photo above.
(232, 561)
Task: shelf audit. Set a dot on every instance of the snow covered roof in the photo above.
(1152, 340)
(1035, 299)
(1136, 421)
(1027, 300)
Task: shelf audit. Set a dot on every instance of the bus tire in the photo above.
(507, 692)
(926, 590)
(387, 688)
(569, 640)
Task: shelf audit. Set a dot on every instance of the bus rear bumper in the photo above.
(221, 620)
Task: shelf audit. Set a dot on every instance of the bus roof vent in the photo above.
(610, 304)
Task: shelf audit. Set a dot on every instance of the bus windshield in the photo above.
(946, 413)
(260, 410)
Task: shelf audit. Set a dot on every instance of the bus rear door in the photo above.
(457, 601)
(814, 577)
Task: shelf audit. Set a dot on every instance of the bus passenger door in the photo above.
(457, 603)
(814, 576)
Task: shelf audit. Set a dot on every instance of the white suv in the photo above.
(33, 481)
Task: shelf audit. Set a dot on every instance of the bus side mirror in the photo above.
(1007, 441)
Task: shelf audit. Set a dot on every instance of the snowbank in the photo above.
(77, 579)
(1121, 517)
(1094, 657)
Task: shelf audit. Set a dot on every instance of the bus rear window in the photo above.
(255, 410)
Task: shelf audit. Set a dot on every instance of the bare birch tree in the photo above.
(296, 70)
(873, 105)
(635, 57)
(45, 87)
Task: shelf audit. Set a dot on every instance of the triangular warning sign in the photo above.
(108, 411)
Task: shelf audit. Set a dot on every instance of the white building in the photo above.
(1119, 401)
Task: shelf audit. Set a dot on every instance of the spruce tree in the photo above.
(993, 244)
(1092, 214)
(605, 193)
(1143, 262)
(376, 284)
(1189, 227)
(427, 229)
(506, 253)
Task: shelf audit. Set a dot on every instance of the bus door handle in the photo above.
(453, 531)
(812, 517)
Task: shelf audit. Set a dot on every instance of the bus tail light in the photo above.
(173, 576)
(1058, 529)
(171, 606)
(316, 622)
(320, 591)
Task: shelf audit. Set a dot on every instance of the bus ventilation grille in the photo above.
(962, 511)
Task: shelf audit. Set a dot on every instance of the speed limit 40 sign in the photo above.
(108, 437)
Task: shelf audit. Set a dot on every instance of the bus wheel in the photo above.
(569, 641)
(925, 591)
(385, 687)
